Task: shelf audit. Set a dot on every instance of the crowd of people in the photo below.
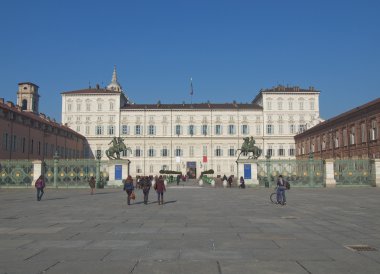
(145, 183)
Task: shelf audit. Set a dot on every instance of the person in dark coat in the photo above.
(91, 183)
(242, 182)
(160, 188)
(146, 184)
(129, 187)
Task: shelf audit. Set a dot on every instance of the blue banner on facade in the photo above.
(247, 171)
(118, 172)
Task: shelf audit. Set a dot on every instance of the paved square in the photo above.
(198, 230)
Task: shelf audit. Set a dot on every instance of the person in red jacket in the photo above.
(40, 185)
(159, 186)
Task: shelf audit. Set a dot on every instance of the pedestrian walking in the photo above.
(40, 185)
(146, 184)
(91, 183)
(129, 187)
(159, 186)
(178, 179)
(242, 182)
(229, 181)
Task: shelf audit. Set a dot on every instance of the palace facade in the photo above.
(189, 137)
(25, 133)
(353, 134)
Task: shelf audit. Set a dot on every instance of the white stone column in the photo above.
(37, 170)
(329, 173)
(377, 172)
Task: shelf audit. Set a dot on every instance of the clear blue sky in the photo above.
(232, 49)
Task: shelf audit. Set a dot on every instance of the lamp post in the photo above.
(98, 157)
(56, 159)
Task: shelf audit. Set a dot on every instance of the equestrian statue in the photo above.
(249, 147)
(117, 147)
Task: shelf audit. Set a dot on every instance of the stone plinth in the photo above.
(117, 170)
(248, 169)
(329, 173)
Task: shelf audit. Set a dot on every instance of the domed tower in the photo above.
(28, 97)
(114, 85)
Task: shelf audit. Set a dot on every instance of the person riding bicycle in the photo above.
(281, 187)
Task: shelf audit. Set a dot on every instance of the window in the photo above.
(292, 129)
(191, 151)
(204, 150)
(204, 130)
(88, 118)
(301, 105)
(23, 145)
(191, 130)
(291, 151)
(111, 105)
(178, 130)
(126, 153)
(336, 141)
(151, 130)
(258, 129)
(270, 151)
(352, 136)
(373, 131)
(290, 105)
(231, 151)
(231, 129)
(124, 129)
(279, 105)
(88, 107)
(138, 152)
(270, 129)
(301, 128)
(151, 152)
(218, 151)
(99, 130)
(281, 151)
(99, 106)
(218, 130)
(345, 137)
(111, 130)
(137, 130)
(78, 128)
(244, 129)
(78, 107)
(363, 133)
(69, 107)
(312, 105)
(178, 152)
(164, 152)
(269, 105)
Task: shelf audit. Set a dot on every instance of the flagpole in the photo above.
(191, 90)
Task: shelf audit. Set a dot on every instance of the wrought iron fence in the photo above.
(16, 173)
(308, 173)
(354, 172)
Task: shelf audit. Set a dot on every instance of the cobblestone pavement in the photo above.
(197, 230)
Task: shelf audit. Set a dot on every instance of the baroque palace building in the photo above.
(189, 137)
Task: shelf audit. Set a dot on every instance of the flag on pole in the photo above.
(191, 87)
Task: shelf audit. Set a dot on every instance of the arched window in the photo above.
(24, 104)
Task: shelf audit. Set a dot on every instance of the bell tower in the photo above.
(28, 97)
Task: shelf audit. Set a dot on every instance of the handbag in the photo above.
(133, 196)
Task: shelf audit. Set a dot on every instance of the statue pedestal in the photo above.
(248, 169)
(118, 170)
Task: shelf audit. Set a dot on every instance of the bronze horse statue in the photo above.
(117, 147)
(249, 147)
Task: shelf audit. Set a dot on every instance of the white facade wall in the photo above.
(276, 111)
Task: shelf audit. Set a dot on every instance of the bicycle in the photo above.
(273, 196)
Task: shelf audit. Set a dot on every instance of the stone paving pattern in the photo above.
(197, 230)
